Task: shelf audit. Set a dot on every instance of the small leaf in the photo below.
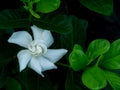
(104, 7)
(94, 78)
(97, 48)
(46, 6)
(113, 79)
(12, 84)
(78, 60)
(111, 59)
(34, 13)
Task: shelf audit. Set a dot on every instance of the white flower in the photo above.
(36, 56)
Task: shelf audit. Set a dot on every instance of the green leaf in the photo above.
(19, 19)
(6, 48)
(12, 84)
(3, 77)
(104, 7)
(13, 19)
(79, 27)
(111, 59)
(113, 79)
(46, 6)
(94, 78)
(78, 60)
(97, 48)
(33, 81)
(73, 81)
(25, 0)
(56, 22)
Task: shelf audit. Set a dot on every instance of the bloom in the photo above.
(36, 54)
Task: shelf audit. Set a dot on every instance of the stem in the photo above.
(99, 60)
(64, 65)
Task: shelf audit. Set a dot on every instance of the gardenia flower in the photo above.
(36, 56)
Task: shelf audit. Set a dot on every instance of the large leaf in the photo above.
(79, 26)
(56, 22)
(12, 84)
(111, 59)
(2, 77)
(46, 6)
(19, 19)
(33, 81)
(7, 52)
(73, 81)
(97, 48)
(113, 79)
(78, 60)
(13, 19)
(94, 78)
(104, 7)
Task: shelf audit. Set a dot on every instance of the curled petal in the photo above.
(23, 58)
(21, 38)
(44, 35)
(46, 64)
(35, 65)
(55, 54)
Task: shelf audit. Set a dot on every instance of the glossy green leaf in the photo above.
(94, 78)
(111, 59)
(46, 6)
(104, 7)
(78, 60)
(12, 84)
(97, 48)
(113, 79)
(13, 19)
(73, 81)
(56, 22)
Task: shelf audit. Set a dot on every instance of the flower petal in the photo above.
(37, 32)
(47, 37)
(21, 38)
(55, 54)
(23, 57)
(35, 65)
(41, 34)
(46, 64)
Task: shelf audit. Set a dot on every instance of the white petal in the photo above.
(37, 32)
(21, 38)
(44, 35)
(46, 64)
(23, 57)
(55, 54)
(35, 65)
(47, 37)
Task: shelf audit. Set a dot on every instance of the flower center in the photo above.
(37, 48)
